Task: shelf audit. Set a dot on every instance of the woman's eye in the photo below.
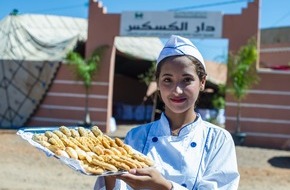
(188, 80)
(167, 80)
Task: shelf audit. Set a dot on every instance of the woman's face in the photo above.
(179, 84)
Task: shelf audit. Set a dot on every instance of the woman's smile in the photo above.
(178, 100)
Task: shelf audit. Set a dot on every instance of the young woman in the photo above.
(189, 153)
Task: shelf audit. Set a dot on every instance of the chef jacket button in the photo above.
(193, 144)
(155, 139)
(184, 185)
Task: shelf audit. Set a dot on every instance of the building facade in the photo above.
(265, 111)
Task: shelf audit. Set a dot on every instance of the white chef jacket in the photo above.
(201, 157)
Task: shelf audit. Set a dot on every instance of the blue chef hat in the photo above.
(177, 45)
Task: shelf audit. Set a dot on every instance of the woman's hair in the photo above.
(200, 71)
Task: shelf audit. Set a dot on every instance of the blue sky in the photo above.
(274, 13)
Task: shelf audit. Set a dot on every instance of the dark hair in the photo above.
(200, 71)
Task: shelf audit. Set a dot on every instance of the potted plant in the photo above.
(148, 78)
(218, 102)
(242, 75)
(85, 70)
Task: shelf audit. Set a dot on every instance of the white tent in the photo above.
(145, 48)
(39, 37)
(32, 46)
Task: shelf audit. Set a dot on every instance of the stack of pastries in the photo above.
(96, 152)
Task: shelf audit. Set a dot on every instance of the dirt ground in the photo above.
(24, 167)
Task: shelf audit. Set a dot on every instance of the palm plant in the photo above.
(242, 75)
(85, 70)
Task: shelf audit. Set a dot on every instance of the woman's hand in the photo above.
(145, 178)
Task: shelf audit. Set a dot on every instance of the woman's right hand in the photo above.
(142, 178)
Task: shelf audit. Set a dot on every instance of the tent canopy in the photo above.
(143, 48)
(39, 37)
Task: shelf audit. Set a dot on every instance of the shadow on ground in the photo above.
(280, 161)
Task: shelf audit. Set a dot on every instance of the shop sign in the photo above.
(164, 24)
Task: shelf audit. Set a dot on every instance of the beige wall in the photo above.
(64, 103)
(276, 54)
(265, 112)
(239, 28)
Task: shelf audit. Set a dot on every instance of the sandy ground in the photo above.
(25, 167)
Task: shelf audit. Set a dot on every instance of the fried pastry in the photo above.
(65, 131)
(96, 152)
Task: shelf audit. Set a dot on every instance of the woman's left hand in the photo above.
(149, 178)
